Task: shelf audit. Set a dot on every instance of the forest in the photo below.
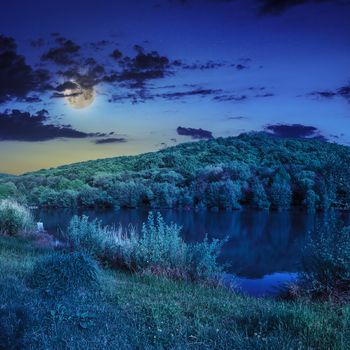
(254, 170)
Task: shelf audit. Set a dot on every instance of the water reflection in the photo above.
(263, 248)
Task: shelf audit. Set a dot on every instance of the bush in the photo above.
(326, 263)
(14, 218)
(86, 235)
(159, 248)
(58, 274)
(160, 245)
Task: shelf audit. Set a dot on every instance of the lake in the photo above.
(263, 248)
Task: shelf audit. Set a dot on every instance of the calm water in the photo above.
(263, 248)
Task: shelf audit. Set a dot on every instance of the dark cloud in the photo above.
(185, 2)
(117, 54)
(62, 94)
(276, 7)
(31, 99)
(86, 80)
(267, 94)
(240, 66)
(16, 125)
(131, 75)
(194, 133)
(99, 45)
(17, 78)
(200, 66)
(236, 118)
(343, 92)
(66, 85)
(180, 94)
(110, 140)
(64, 54)
(294, 131)
(266, 7)
(230, 97)
(140, 69)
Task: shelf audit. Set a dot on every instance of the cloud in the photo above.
(86, 80)
(110, 140)
(64, 54)
(194, 133)
(294, 131)
(343, 92)
(276, 7)
(230, 97)
(116, 54)
(180, 94)
(99, 45)
(201, 66)
(126, 78)
(241, 66)
(136, 71)
(67, 85)
(16, 125)
(17, 78)
(237, 118)
(266, 7)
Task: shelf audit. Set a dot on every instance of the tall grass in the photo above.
(326, 263)
(14, 218)
(158, 248)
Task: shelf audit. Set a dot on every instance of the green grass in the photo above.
(133, 311)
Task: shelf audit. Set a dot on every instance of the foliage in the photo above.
(255, 169)
(58, 274)
(160, 245)
(14, 218)
(86, 235)
(326, 263)
(159, 248)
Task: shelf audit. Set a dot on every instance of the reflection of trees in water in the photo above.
(260, 242)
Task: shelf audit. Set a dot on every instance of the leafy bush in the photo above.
(14, 218)
(159, 248)
(86, 235)
(160, 245)
(58, 274)
(326, 263)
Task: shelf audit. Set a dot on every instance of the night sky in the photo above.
(89, 79)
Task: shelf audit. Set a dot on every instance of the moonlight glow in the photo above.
(79, 98)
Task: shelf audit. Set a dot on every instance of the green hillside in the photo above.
(257, 170)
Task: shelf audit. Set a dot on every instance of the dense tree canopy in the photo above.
(224, 173)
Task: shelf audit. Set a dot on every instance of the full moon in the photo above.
(79, 97)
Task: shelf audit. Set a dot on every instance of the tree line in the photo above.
(255, 170)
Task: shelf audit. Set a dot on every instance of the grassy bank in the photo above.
(134, 311)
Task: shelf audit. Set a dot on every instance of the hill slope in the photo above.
(223, 173)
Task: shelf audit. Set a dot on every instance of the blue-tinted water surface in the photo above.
(263, 248)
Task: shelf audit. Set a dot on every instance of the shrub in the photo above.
(86, 235)
(160, 245)
(14, 218)
(159, 248)
(203, 259)
(58, 274)
(326, 263)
